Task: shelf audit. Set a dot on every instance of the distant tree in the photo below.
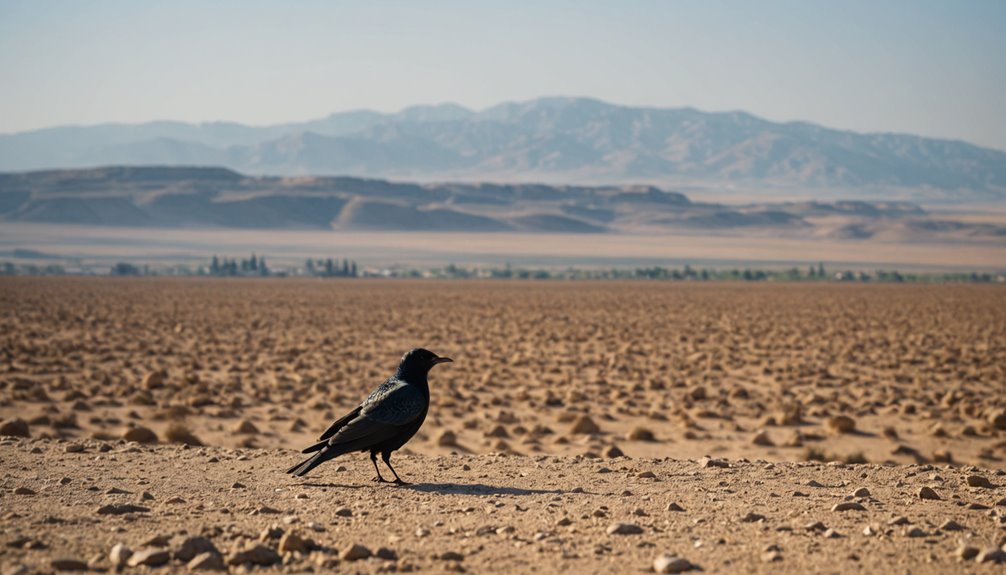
(352, 269)
(309, 266)
(820, 270)
(345, 268)
(329, 267)
(125, 269)
(253, 263)
(262, 269)
(215, 266)
(811, 272)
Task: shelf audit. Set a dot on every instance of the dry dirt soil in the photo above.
(568, 436)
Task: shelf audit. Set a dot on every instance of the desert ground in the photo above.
(583, 427)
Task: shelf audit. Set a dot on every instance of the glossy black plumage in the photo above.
(384, 422)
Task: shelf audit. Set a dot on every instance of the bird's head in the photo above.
(419, 361)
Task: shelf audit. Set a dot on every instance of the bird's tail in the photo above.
(302, 468)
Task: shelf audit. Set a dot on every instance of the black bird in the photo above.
(384, 422)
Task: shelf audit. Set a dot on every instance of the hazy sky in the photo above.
(925, 67)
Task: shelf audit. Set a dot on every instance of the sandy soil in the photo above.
(904, 386)
(491, 513)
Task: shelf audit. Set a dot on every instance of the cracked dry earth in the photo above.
(486, 513)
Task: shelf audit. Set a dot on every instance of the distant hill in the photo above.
(204, 197)
(559, 140)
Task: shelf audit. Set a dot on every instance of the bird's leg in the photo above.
(386, 456)
(373, 458)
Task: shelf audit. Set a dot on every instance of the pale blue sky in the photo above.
(925, 67)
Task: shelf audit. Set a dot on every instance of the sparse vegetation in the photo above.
(255, 266)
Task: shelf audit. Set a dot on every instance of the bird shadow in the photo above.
(476, 489)
(332, 485)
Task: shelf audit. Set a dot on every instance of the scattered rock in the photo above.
(991, 555)
(841, 424)
(149, 557)
(929, 493)
(951, 525)
(451, 556)
(710, 462)
(668, 563)
(584, 425)
(674, 507)
(899, 520)
(255, 555)
(815, 526)
(979, 481)
(193, 546)
(24, 491)
(624, 529)
(157, 541)
(848, 506)
(154, 380)
(386, 554)
(762, 438)
(447, 439)
(246, 427)
(641, 434)
(997, 420)
(861, 492)
(771, 556)
(178, 433)
(355, 552)
(291, 542)
(915, 532)
(15, 427)
(344, 512)
(207, 561)
(119, 555)
(62, 564)
(140, 434)
(752, 517)
(613, 452)
(270, 533)
(121, 509)
(966, 552)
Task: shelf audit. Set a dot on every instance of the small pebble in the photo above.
(668, 563)
(624, 529)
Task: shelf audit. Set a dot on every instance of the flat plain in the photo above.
(571, 408)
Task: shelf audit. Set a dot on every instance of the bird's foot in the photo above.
(380, 479)
(400, 482)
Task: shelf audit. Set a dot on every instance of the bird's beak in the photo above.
(442, 360)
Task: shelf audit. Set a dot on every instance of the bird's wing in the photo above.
(395, 403)
(362, 433)
(339, 423)
(392, 406)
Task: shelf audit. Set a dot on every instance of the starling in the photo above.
(384, 422)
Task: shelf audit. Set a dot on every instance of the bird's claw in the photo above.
(380, 479)
(400, 482)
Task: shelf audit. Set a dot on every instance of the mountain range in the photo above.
(551, 140)
(195, 197)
